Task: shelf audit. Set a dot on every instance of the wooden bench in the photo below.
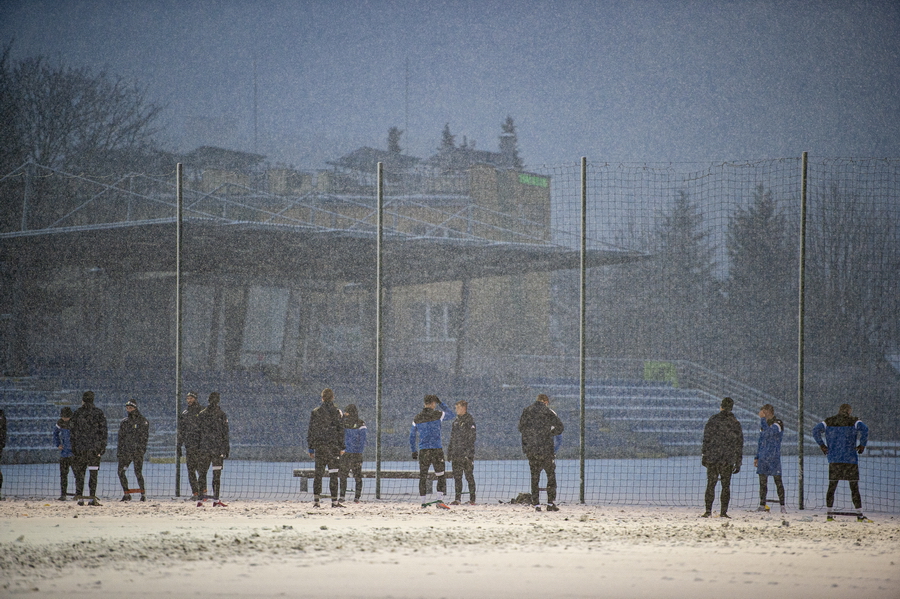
(304, 474)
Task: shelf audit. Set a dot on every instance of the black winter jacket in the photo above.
(462, 438)
(326, 430)
(214, 439)
(189, 427)
(134, 430)
(538, 425)
(723, 440)
(89, 430)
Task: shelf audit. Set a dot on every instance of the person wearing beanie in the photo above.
(89, 436)
(355, 443)
(214, 445)
(134, 431)
(768, 456)
(721, 454)
(2, 445)
(189, 437)
(325, 440)
(461, 451)
(62, 440)
(425, 443)
(843, 438)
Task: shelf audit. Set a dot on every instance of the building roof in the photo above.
(206, 157)
(366, 159)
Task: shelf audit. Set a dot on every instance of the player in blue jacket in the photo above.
(428, 448)
(768, 456)
(62, 440)
(845, 438)
(355, 442)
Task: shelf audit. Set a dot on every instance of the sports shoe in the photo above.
(356, 500)
(126, 497)
(783, 510)
(472, 502)
(143, 497)
(80, 502)
(316, 504)
(705, 515)
(862, 518)
(194, 497)
(200, 504)
(337, 504)
(443, 505)
(551, 507)
(61, 498)
(454, 502)
(94, 502)
(537, 508)
(763, 508)
(724, 515)
(829, 519)
(218, 503)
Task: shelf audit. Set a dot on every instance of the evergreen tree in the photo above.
(393, 140)
(761, 286)
(509, 143)
(448, 140)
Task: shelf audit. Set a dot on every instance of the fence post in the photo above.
(581, 328)
(378, 325)
(179, 197)
(801, 307)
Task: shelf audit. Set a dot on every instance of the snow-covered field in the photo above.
(172, 548)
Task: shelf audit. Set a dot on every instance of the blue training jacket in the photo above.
(355, 439)
(427, 425)
(841, 433)
(768, 449)
(62, 436)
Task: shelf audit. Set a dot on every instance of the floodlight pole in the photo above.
(581, 327)
(378, 325)
(801, 309)
(179, 197)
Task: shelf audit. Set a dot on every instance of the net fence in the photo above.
(692, 295)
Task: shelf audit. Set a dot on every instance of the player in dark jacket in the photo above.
(189, 436)
(2, 445)
(89, 433)
(62, 440)
(768, 456)
(134, 431)
(722, 453)
(845, 438)
(461, 451)
(215, 445)
(354, 444)
(539, 426)
(425, 443)
(325, 439)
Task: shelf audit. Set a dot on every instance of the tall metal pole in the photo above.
(801, 304)
(581, 326)
(378, 325)
(179, 179)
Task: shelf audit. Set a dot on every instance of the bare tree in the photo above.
(72, 118)
(393, 140)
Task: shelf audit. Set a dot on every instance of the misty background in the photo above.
(306, 82)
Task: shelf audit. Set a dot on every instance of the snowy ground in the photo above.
(172, 548)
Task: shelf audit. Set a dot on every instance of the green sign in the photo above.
(536, 180)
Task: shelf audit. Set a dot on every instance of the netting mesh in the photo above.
(706, 306)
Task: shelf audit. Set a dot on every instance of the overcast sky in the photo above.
(629, 81)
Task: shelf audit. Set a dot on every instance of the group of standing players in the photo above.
(842, 438)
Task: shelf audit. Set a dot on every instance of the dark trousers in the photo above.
(351, 463)
(764, 488)
(548, 465)
(124, 462)
(714, 473)
(86, 461)
(327, 458)
(854, 493)
(464, 466)
(193, 459)
(428, 458)
(216, 462)
(65, 464)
